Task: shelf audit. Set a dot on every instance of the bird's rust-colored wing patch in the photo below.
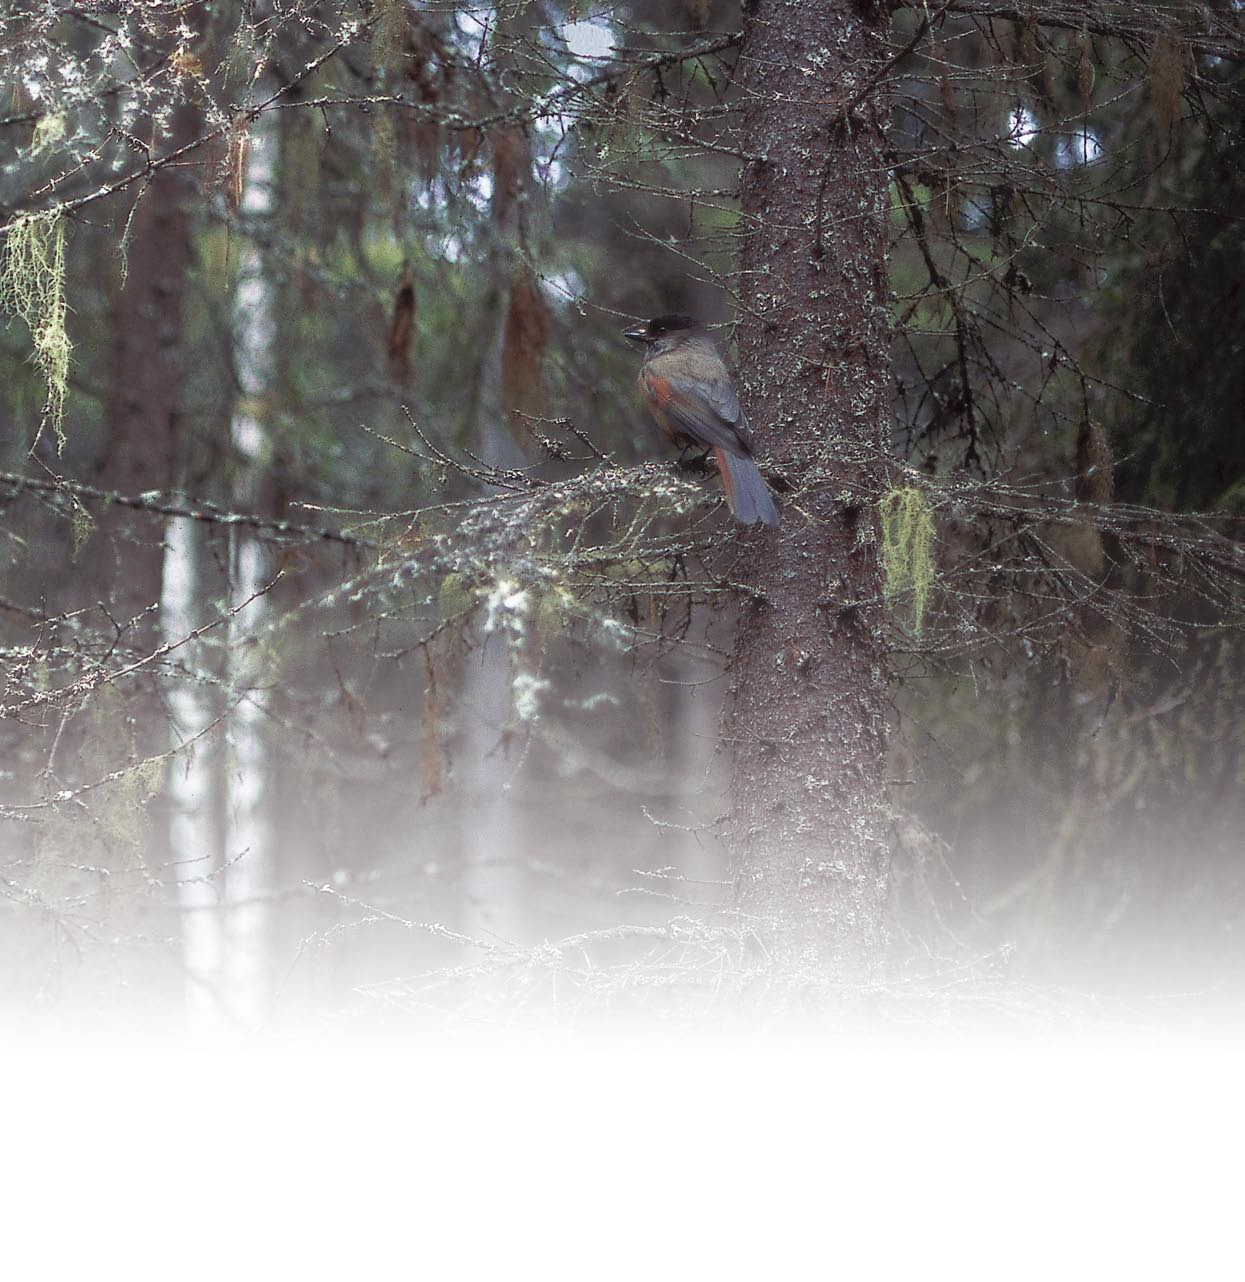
(728, 481)
(658, 389)
(689, 412)
(656, 392)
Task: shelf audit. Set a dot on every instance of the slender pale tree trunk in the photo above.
(189, 786)
(494, 837)
(806, 714)
(248, 838)
(495, 889)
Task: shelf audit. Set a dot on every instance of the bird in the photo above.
(689, 392)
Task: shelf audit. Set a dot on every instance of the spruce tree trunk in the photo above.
(806, 715)
(144, 400)
(133, 562)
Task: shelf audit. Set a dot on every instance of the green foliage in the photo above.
(32, 287)
(908, 548)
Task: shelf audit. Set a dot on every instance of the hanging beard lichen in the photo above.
(83, 528)
(32, 287)
(907, 548)
(48, 133)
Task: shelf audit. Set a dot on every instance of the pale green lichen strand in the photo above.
(908, 548)
(32, 288)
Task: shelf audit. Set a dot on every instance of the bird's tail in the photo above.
(746, 493)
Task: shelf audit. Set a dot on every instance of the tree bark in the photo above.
(249, 872)
(805, 720)
(144, 402)
(193, 841)
(134, 562)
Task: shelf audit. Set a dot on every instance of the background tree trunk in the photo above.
(131, 568)
(249, 875)
(193, 840)
(146, 376)
(806, 713)
(495, 845)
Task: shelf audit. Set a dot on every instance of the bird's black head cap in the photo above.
(662, 326)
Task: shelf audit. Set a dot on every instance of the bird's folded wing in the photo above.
(707, 412)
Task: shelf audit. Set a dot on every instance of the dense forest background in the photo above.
(366, 650)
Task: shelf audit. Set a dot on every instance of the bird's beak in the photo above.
(637, 333)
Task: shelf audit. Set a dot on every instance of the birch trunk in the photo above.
(248, 840)
(189, 790)
(494, 854)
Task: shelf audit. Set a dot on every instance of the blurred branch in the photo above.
(100, 677)
(1127, 22)
(194, 509)
(537, 108)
